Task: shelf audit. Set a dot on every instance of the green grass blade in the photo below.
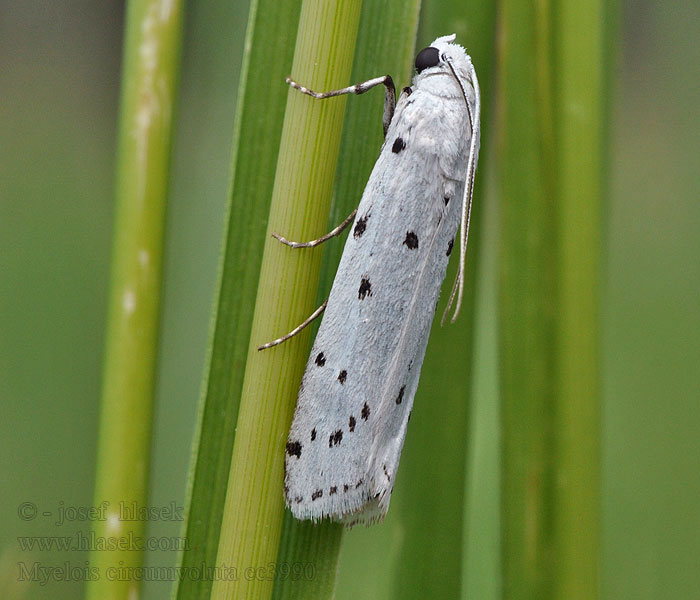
(528, 303)
(307, 559)
(150, 71)
(384, 45)
(580, 66)
(551, 155)
(270, 41)
(254, 506)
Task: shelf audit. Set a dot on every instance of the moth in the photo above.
(356, 395)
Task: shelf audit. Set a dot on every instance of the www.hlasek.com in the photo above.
(43, 574)
(91, 542)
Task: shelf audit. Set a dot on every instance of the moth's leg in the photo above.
(337, 231)
(360, 88)
(296, 330)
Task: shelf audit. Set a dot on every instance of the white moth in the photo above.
(357, 392)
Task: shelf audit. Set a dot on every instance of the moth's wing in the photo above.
(357, 392)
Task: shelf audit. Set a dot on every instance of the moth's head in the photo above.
(437, 58)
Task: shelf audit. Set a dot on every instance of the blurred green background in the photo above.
(59, 74)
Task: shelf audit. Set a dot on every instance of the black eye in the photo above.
(427, 57)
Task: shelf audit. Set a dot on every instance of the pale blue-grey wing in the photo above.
(357, 392)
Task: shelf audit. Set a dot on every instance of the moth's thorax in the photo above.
(435, 129)
(440, 82)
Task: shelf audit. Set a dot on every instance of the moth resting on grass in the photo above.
(356, 395)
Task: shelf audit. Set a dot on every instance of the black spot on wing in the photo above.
(346, 487)
(360, 226)
(320, 359)
(399, 145)
(449, 247)
(294, 448)
(313, 434)
(365, 288)
(351, 424)
(407, 90)
(399, 398)
(316, 495)
(365, 411)
(359, 483)
(333, 490)
(411, 241)
(447, 200)
(298, 499)
(386, 473)
(342, 376)
(335, 438)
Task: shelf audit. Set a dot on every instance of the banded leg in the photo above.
(296, 330)
(360, 88)
(332, 233)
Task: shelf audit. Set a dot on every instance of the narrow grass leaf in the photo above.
(552, 143)
(269, 49)
(149, 82)
(384, 46)
(254, 505)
